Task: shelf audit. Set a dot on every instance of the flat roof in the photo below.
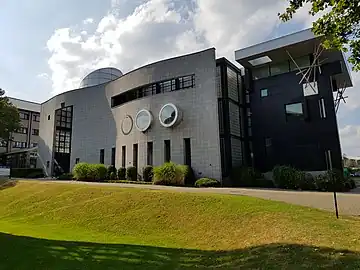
(25, 105)
(297, 44)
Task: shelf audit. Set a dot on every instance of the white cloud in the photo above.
(350, 137)
(157, 29)
(88, 21)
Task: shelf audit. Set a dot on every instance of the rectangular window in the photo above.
(264, 92)
(24, 116)
(261, 72)
(102, 156)
(279, 68)
(3, 143)
(77, 160)
(187, 152)
(22, 130)
(135, 155)
(268, 142)
(113, 153)
(322, 108)
(301, 62)
(150, 153)
(35, 132)
(36, 117)
(123, 156)
(19, 144)
(167, 150)
(295, 109)
(34, 144)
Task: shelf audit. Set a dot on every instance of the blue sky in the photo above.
(48, 46)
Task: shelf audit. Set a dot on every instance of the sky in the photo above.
(48, 46)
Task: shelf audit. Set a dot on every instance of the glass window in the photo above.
(143, 120)
(123, 156)
(279, 68)
(261, 72)
(35, 132)
(113, 157)
(102, 156)
(294, 109)
(135, 155)
(167, 151)
(264, 92)
(187, 152)
(168, 115)
(36, 117)
(302, 62)
(150, 153)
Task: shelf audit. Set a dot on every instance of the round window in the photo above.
(143, 120)
(127, 125)
(169, 115)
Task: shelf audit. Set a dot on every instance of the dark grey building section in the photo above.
(232, 104)
(282, 137)
(291, 83)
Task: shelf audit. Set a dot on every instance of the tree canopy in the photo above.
(340, 24)
(9, 117)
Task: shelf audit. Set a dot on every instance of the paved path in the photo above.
(349, 203)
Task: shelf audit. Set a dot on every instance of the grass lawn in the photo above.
(64, 226)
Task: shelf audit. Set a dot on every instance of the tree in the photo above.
(340, 24)
(9, 117)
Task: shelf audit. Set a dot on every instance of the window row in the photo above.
(153, 89)
(280, 68)
(24, 130)
(17, 144)
(150, 151)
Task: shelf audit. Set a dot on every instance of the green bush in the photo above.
(26, 172)
(169, 174)
(111, 169)
(288, 177)
(66, 176)
(334, 181)
(81, 171)
(131, 173)
(308, 182)
(90, 172)
(148, 174)
(189, 176)
(112, 176)
(207, 182)
(243, 177)
(121, 173)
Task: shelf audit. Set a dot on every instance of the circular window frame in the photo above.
(149, 122)
(131, 125)
(176, 118)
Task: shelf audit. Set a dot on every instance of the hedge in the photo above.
(90, 172)
(170, 174)
(27, 172)
(207, 182)
(131, 173)
(121, 173)
(148, 173)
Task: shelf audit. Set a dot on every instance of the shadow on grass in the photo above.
(17, 252)
(5, 183)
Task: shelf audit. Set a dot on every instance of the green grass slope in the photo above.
(64, 226)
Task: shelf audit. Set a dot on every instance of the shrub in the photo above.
(243, 177)
(308, 182)
(121, 173)
(26, 172)
(81, 171)
(207, 182)
(288, 177)
(189, 176)
(112, 176)
(90, 172)
(66, 176)
(334, 180)
(131, 173)
(111, 169)
(148, 173)
(169, 174)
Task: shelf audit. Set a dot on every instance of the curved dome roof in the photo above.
(100, 76)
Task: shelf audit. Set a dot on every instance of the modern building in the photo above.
(27, 137)
(204, 112)
(292, 81)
